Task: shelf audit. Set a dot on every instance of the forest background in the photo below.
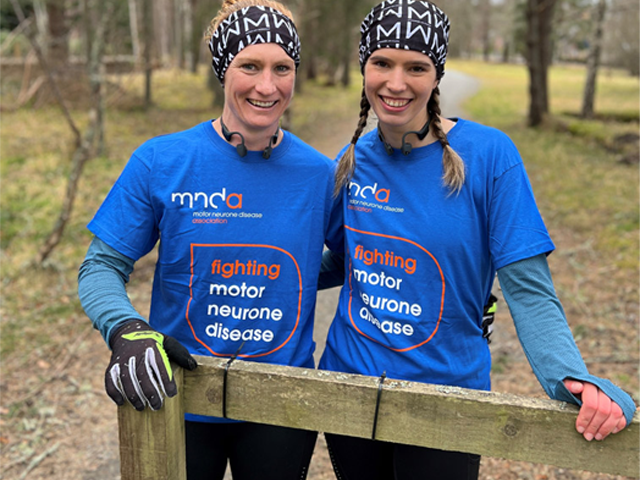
(84, 82)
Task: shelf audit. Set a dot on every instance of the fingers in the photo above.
(150, 381)
(121, 382)
(574, 386)
(621, 423)
(610, 425)
(599, 416)
(131, 384)
(179, 354)
(138, 380)
(140, 368)
(160, 373)
(113, 385)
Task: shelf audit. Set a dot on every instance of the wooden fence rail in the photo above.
(448, 418)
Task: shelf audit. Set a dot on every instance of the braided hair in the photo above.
(452, 164)
(347, 163)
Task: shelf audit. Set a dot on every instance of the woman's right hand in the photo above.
(599, 416)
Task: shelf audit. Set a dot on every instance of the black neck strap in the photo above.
(242, 149)
(406, 146)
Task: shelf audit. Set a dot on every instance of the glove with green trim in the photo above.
(140, 368)
(488, 316)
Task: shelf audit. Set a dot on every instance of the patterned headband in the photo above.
(409, 25)
(251, 26)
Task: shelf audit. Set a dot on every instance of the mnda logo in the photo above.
(366, 192)
(204, 200)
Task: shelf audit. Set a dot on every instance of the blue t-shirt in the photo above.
(241, 241)
(421, 261)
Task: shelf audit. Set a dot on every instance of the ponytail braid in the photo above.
(453, 166)
(347, 163)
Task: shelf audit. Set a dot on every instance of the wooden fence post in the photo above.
(152, 444)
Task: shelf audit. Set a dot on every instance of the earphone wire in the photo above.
(406, 146)
(242, 149)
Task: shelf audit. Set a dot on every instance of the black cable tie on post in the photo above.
(224, 380)
(375, 418)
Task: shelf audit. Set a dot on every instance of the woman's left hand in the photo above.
(599, 416)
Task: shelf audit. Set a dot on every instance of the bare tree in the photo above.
(350, 17)
(593, 61)
(622, 42)
(539, 14)
(485, 12)
(58, 46)
(84, 144)
(42, 59)
(188, 19)
(133, 25)
(148, 46)
(178, 32)
(163, 32)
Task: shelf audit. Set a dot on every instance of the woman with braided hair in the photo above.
(432, 208)
(240, 209)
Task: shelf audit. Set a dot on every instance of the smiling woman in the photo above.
(213, 195)
(458, 203)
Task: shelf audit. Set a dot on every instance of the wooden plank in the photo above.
(152, 444)
(448, 418)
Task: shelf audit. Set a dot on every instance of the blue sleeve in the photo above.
(331, 270)
(128, 220)
(545, 336)
(516, 228)
(101, 288)
(332, 266)
(334, 235)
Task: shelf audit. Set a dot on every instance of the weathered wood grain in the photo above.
(152, 445)
(448, 418)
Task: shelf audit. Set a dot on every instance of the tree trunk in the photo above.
(198, 27)
(593, 61)
(164, 31)
(133, 25)
(218, 92)
(178, 32)
(148, 45)
(88, 34)
(486, 30)
(42, 21)
(309, 35)
(538, 36)
(51, 81)
(58, 51)
(189, 58)
(349, 16)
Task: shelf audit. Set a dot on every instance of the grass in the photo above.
(577, 178)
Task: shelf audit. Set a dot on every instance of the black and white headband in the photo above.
(251, 26)
(408, 25)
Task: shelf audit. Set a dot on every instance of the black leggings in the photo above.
(254, 451)
(359, 458)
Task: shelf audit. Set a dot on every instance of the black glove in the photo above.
(488, 316)
(140, 368)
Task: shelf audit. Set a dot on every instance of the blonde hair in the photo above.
(347, 163)
(453, 166)
(230, 6)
